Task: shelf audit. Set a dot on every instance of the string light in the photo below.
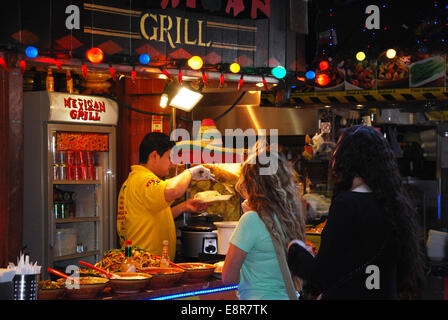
(144, 58)
(322, 79)
(221, 80)
(204, 78)
(22, 66)
(310, 75)
(235, 68)
(391, 53)
(31, 52)
(84, 70)
(279, 72)
(3, 64)
(360, 56)
(95, 55)
(323, 65)
(112, 72)
(179, 76)
(240, 83)
(195, 62)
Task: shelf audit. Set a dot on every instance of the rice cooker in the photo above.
(197, 239)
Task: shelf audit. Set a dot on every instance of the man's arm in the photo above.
(177, 186)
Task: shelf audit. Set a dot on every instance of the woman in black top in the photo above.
(370, 246)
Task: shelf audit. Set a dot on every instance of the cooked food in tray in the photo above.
(112, 259)
(211, 196)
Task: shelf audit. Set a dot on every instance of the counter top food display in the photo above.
(186, 280)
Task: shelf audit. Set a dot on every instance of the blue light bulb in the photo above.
(31, 52)
(310, 75)
(144, 58)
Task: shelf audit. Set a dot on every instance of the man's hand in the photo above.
(192, 205)
(199, 173)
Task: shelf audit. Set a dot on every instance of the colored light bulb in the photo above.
(95, 55)
(31, 52)
(144, 58)
(195, 63)
(235, 68)
(279, 72)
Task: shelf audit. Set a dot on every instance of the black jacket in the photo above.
(355, 233)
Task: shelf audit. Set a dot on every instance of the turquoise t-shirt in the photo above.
(260, 276)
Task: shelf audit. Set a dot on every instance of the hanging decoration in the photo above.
(22, 66)
(112, 72)
(84, 71)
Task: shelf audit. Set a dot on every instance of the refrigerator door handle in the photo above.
(52, 227)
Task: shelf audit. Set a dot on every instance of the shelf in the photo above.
(80, 219)
(77, 255)
(76, 182)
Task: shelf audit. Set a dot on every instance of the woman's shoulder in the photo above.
(349, 196)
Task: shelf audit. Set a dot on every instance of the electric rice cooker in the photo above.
(198, 239)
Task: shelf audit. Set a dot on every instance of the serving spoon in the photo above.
(63, 275)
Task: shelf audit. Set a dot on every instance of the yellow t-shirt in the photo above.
(144, 216)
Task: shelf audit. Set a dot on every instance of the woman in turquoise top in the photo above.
(272, 209)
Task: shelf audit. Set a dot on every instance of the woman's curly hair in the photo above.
(273, 196)
(363, 152)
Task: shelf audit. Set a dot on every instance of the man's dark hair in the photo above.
(154, 141)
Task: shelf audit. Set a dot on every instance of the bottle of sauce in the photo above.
(165, 260)
(69, 81)
(128, 264)
(50, 80)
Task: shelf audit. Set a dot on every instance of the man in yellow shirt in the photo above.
(144, 213)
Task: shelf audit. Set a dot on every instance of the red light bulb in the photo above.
(58, 64)
(166, 74)
(204, 78)
(95, 55)
(84, 70)
(323, 65)
(322, 79)
(240, 83)
(22, 66)
(112, 72)
(3, 64)
(221, 80)
(179, 76)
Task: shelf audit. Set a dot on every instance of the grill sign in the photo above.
(82, 109)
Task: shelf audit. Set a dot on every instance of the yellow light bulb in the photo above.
(391, 53)
(235, 68)
(195, 63)
(360, 56)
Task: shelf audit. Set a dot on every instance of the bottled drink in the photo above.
(50, 80)
(165, 260)
(69, 81)
(128, 264)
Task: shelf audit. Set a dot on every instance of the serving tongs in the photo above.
(226, 185)
(91, 266)
(63, 275)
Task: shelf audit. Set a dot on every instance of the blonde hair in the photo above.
(274, 196)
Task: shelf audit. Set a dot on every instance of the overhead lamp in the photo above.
(195, 62)
(95, 55)
(164, 96)
(391, 53)
(185, 99)
(279, 72)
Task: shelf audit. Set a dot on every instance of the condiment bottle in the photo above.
(50, 81)
(165, 260)
(128, 264)
(69, 81)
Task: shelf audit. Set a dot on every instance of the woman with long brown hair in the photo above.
(371, 246)
(272, 214)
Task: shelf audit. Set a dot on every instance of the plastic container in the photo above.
(225, 230)
(66, 240)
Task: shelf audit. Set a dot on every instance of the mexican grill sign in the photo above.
(82, 109)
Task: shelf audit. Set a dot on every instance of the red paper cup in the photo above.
(70, 157)
(90, 158)
(82, 159)
(83, 172)
(91, 173)
(77, 172)
(70, 172)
